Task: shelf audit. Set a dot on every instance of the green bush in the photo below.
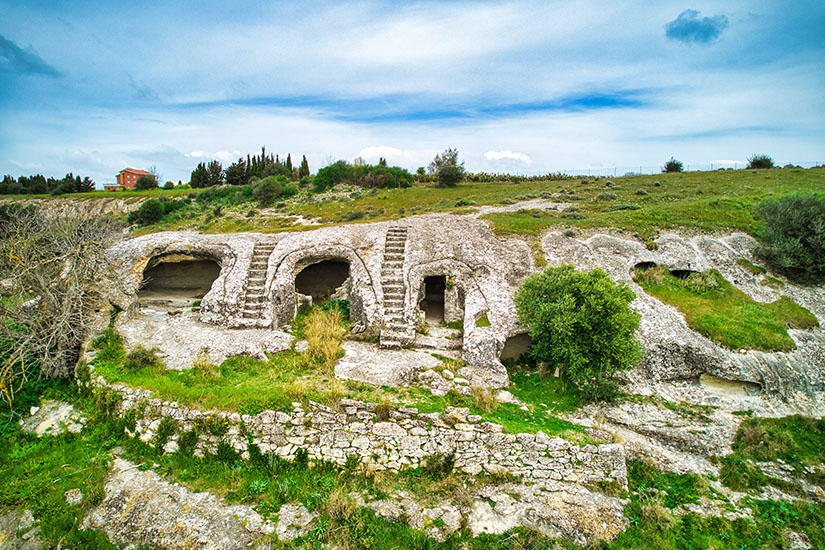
(581, 323)
(266, 191)
(149, 212)
(793, 239)
(146, 181)
(757, 162)
(140, 358)
(673, 165)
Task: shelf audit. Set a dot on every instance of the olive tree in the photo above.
(581, 322)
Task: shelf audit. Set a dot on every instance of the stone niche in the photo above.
(516, 345)
(440, 300)
(323, 280)
(177, 279)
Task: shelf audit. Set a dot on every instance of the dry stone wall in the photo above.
(402, 437)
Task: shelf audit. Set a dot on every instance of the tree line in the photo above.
(40, 185)
(245, 171)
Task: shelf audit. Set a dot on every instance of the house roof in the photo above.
(135, 171)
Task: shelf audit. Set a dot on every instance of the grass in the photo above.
(751, 268)
(716, 309)
(37, 472)
(704, 201)
(796, 440)
(249, 386)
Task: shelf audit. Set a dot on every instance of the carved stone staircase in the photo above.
(255, 299)
(395, 332)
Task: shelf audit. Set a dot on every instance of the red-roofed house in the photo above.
(128, 177)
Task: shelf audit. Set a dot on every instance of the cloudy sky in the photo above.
(527, 87)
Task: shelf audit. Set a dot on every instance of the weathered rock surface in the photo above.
(559, 510)
(294, 521)
(54, 418)
(141, 508)
(675, 352)
(18, 531)
(365, 363)
(182, 339)
(484, 271)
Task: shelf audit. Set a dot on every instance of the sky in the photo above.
(520, 87)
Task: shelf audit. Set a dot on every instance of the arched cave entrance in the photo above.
(323, 280)
(644, 266)
(178, 279)
(682, 273)
(516, 346)
(433, 302)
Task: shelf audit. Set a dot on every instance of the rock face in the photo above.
(18, 531)
(386, 290)
(672, 350)
(140, 508)
(54, 418)
(182, 339)
(555, 509)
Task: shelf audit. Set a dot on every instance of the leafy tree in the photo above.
(235, 174)
(758, 162)
(168, 185)
(333, 174)
(266, 191)
(793, 239)
(673, 165)
(214, 173)
(582, 323)
(303, 171)
(146, 181)
(448, 171)
(199, 177)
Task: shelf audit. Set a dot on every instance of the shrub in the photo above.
(582, 323)
(146, 181)
(793, 239)
(673, 165)
(439, 465)
(606, 196)
(757, 162)
(148, 213)
(140, 358)
(266, 191)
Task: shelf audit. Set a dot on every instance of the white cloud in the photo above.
(225, 156)
(508, 155)
(395, 156)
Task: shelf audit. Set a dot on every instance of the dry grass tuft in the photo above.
(340, 506)
(485, 399)
(324, 331)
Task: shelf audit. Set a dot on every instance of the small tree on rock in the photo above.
(582, 323)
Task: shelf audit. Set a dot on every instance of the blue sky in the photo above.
(527, 87)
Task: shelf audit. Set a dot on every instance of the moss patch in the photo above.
(715, 308)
